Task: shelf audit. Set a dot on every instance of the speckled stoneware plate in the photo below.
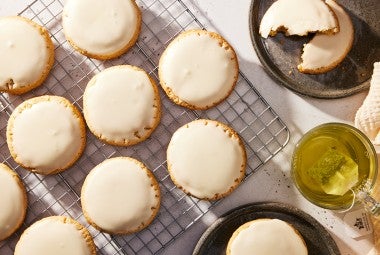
(280, 55)
(214, 240)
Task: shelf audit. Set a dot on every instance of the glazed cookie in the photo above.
(101, 29)
(325, 52)
(121, 105)
(206, 159)
(46, 134)
(27, 54)
(198, 70)
(266, 237)
(298, 17)
(120, 196)
(58, 235)
(13, 202)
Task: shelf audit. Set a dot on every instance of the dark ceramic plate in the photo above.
(214, 240)
(280, 55)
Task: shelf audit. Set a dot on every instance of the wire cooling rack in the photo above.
(245, 110)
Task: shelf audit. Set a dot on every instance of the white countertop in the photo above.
(299, 113)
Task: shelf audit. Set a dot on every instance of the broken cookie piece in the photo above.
(325, 52)
(298, 17)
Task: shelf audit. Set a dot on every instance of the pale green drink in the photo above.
(330, 162)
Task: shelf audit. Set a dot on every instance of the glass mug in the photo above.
(335, 165)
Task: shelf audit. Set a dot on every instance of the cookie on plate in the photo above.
(121, 105)
(57, 235)
(266, 237)
(46, 134)
(120, 196)
(198, 69)
(13, 202)
(298, 17)
(206, 159)
(102, 29)
(325, 52)
(27, 54)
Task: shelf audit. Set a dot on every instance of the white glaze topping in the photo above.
(329, 50)
(204, 159)
(46, 135)
(119, 104)
(12, 202)
(100, 27)
(198, 69)
(118, 195)
(51, 236)
(22, 60)
(299, 17)
(268, 237)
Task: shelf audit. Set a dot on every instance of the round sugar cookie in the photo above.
(27, 54)
(120, 196)
(102, 29)
(198, 70)
(121, 105)
(266, 237)
(58, 235)
(206, 159)
(13, 201)
(46, 134)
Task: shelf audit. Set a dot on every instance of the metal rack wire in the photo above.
(245, 110)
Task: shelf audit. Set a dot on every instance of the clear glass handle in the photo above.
(370, 204)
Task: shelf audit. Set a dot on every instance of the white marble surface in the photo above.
(272, 182)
